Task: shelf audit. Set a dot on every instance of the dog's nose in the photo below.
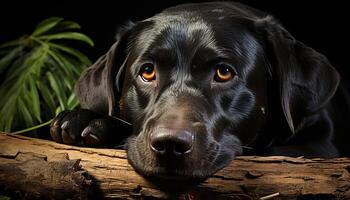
(172, 142)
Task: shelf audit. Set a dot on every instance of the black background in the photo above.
(319, 24)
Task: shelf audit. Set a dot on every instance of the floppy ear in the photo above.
(307, 81)
(98, 87)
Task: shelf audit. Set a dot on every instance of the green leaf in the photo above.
(46, 95)
(57, 88)
(13, 43)
(6, 122)
(73, 101)
(40, 74)
(69, 66)
(33, 128)
(28, 119)
(77, 67)
(17, 87)
(68, 36)
(72, 52)
(61, 63)
(34, 99)
(66, 25)
(21, 69)
(58, 110)
(38, 63)
(68, 84)
(9, 58)
(46, 25)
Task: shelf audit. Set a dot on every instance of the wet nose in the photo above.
(171, 142)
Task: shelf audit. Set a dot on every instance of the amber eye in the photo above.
(148, 72)
(223, 73)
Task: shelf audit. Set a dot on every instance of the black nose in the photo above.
(171, 142)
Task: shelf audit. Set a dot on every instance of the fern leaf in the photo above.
(46, 25)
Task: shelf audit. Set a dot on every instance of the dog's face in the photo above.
(194, 86)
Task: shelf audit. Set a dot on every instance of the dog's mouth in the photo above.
(189, 175)
(193, 168)
(166, 173)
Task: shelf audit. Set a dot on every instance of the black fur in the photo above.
(185, 124)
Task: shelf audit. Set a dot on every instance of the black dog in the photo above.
(201, 84)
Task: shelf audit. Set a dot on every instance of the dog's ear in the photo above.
(306, 79)
(98, 87)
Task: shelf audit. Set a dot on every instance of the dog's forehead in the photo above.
(171, 27)
(207, 22)
(186, 31)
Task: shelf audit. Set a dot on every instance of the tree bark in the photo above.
(40, 169)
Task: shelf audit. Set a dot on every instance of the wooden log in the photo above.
(34, 168)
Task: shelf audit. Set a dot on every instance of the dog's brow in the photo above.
(190, 25)
(207, 36)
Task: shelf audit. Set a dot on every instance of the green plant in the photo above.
(39, 72)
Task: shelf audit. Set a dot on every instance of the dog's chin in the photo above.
(177, 174)
(165, 174)
(174, 175)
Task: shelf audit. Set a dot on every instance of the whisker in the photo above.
(117, 118)
(121, 146)
(246, 147)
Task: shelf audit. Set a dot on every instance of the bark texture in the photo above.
(40, 169)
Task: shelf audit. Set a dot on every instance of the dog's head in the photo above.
(196, 82)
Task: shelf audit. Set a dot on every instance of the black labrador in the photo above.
(201, 84)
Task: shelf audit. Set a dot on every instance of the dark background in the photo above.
(319, 24)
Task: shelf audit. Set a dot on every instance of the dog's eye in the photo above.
(223, 73)
(147, 72)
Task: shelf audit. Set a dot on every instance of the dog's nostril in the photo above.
(158, 146)
(182, 147)
(175, 143)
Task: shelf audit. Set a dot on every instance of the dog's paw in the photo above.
(79, 127)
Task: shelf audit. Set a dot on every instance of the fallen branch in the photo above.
(34, 168)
